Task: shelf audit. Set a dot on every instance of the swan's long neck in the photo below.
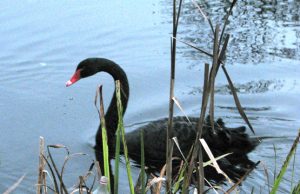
(111, 116)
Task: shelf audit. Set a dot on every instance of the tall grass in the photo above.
(56, 183)
(218, 56)
(48, 168)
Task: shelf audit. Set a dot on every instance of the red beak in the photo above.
(74, 78)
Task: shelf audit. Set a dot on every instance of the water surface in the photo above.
(43, 41)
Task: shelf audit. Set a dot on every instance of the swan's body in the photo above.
(224, 140)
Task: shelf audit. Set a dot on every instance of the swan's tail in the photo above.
(223, 140)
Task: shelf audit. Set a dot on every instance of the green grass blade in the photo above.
(177, 184)
(285, 164)
(275, 162)
(296, 189)
(252, 190)
(143, 190)
(120, 115)
(117, 158)
(104, 139)
(293, 170)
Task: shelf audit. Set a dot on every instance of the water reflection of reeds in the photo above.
(259, 30)
(252, 87)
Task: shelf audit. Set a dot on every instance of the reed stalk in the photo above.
(176, 15)
(208, 91)
(41, 184)
(200, 171)
(213, 74)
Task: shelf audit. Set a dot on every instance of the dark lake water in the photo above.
(43, 41)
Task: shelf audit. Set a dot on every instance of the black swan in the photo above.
(224, 140)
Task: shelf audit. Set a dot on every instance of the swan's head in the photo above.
(84, 69)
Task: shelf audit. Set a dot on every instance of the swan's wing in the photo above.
(155, 140)
(221, 140)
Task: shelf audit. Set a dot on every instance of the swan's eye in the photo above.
(84, 72)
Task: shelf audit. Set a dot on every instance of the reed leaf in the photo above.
(178, 147)
(62, 185)
(293, 170)
(159, 180)
(226, 19)
(15, 185)
(143, 190)
(51, 180)
(236, 100)
(275, 162)
(117, 154)
(181, 109)
(242, 178)
(296, 189)
(67, 158)
(55, 184)
(170, 152)
(216, 158)
(193, 46)
(104, 138)
(285, 164)
(120, 124)
(89, 173)
(205, 16)
(177, 184)
(223, 52)
(177, 17)
(212, 158)
(252, 190)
